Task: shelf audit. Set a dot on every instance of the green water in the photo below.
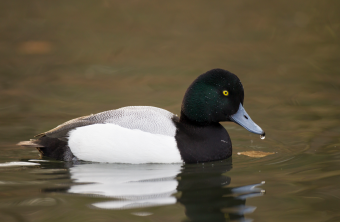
(64, 59)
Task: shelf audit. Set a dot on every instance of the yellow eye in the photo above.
(225, 92)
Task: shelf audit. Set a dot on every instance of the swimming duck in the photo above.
(146, 134)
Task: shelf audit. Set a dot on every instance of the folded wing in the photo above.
(145, 118)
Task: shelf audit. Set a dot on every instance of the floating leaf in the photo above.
(255, 154)
(35, 47)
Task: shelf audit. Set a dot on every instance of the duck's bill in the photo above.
(243, 119)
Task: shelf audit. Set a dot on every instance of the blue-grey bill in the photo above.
(243, 119)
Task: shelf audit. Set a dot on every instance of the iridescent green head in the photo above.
(213, 97)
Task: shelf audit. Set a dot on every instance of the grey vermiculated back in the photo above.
(146, 118)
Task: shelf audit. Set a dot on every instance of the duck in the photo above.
(147, 134)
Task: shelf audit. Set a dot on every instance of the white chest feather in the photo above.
(115, 144)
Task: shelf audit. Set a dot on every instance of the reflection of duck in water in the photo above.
(206, 197)
(144, 134)
(133, 186)
(201, 189)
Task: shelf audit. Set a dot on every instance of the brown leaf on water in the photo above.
(256, 154)
(35, 47)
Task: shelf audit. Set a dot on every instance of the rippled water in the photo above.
(60, 60)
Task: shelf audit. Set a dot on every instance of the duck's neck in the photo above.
(199, 142)
(185, 120)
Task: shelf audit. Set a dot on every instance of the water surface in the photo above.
(60, 60)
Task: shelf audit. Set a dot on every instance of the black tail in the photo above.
(50, 147)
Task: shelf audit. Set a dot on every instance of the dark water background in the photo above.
(64, 59)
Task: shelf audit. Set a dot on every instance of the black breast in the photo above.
(198, 144)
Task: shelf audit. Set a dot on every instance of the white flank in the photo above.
(111, 143)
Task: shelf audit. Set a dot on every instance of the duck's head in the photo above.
(216, 96)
